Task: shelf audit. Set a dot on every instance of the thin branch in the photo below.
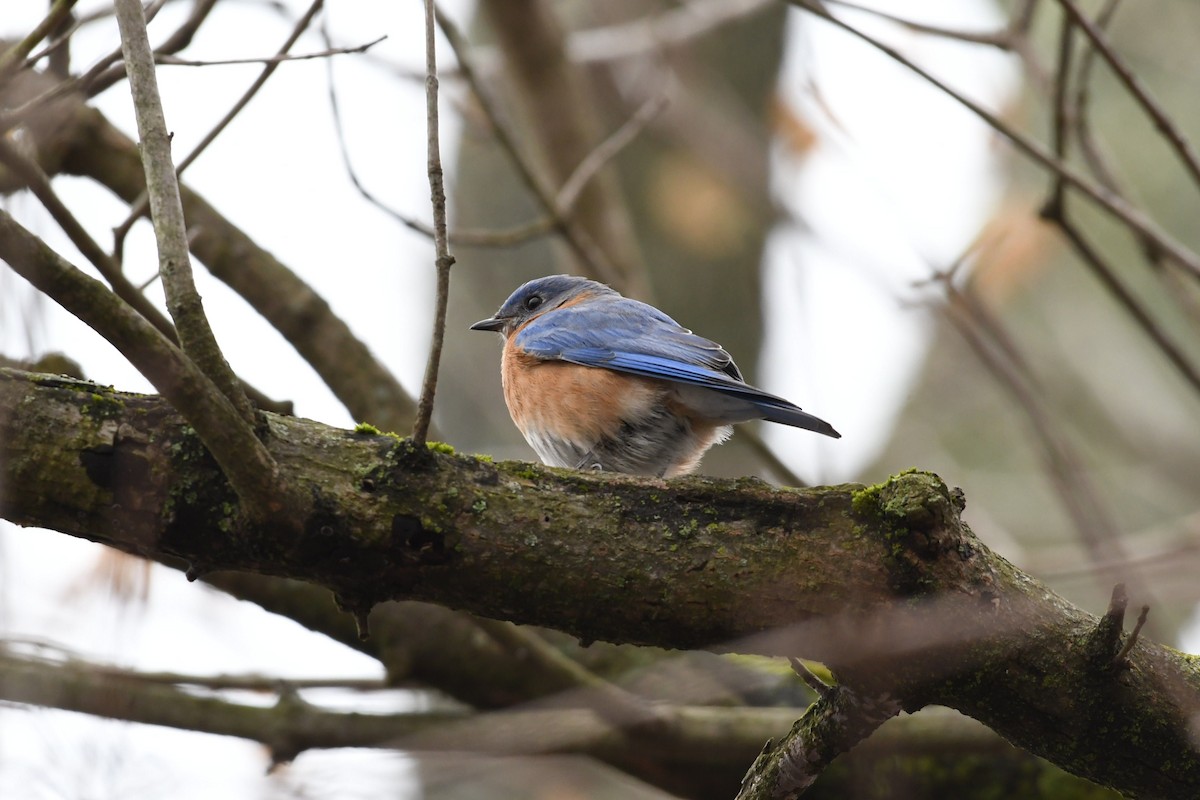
(657, 34)
(470, 238)
(15, 649)
(1062, 109)
(183, 301)
(838, 721)
(243, 459)
(1122, 657)
(1107, 275)
(1001, 39)
(138, 208)
(1068, 117)
(302, 317)
(89, 82)
(57, 50)
(1080, 498)
(1130, 216)
(1088, 145)
(13, 59)
(581, 244)
(176, 61)
(696, 735)
(814, 682)
(1162, 121)
(180, 38)
(607, 150)
(1183, 294)
(557, 101)
(443, 259)
(518, 234)
(39, 183)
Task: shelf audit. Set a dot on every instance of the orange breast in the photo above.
(580, 404)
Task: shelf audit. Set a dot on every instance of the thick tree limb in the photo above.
(885, 584)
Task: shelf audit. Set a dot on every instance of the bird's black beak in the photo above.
(489, 324)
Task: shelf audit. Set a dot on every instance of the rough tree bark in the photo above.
(885, 584)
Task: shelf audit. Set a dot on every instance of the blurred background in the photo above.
(863, 243)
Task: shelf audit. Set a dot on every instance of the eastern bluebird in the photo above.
(596, 380)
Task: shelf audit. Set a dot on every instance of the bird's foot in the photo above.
(590, 461)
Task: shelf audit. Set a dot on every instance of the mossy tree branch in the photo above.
(884, 584)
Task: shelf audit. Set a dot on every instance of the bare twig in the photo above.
(1131, 217)
(594, 260)
(813, 681)
(300, 314)
(57, 51)
(90, 81)
(1062, 109)
(138, 208)
(443, 259)
(260, 494)
(176, 61)
(1081, 500)
(1001, 39)
(1107, 276)
(39, 183)
(242, 457)
(838, 721)
(1123, 655)
(180, 38)
(1162, 121)
(519, 234)
(1088, 145)
(14, 57)
(557, 101)
(1068, 118)
(38, 652)
(658, 33)
(175, 266)
(604, 152)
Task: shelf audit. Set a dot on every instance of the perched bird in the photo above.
(595, 380)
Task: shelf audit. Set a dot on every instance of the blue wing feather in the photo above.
(628, 336)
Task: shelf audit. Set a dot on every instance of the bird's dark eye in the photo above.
(532, 302)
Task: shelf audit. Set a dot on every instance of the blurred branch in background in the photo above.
(581, 240)
(716, 742)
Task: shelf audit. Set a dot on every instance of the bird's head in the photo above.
(535, 298)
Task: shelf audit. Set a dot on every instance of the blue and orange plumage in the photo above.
(596, 380)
